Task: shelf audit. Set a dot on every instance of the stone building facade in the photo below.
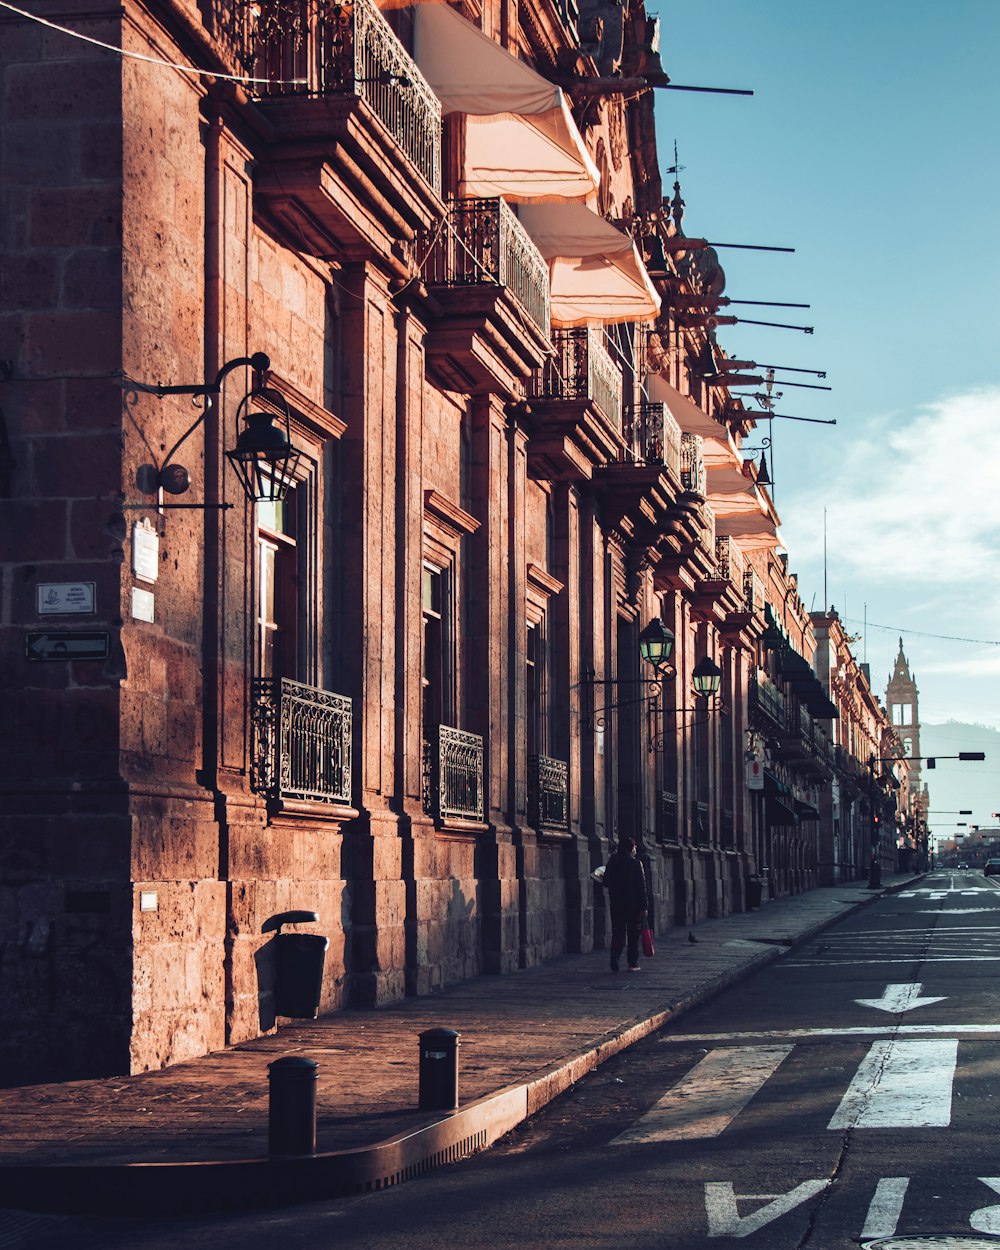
(406, 694)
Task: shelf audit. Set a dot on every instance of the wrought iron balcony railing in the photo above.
(667, 814)
(765, 698)
(728, 829)
(753, 591)
(652, 436)
(582, 368)
(483, 244)
(300, 742)
(700, 831)
(693, 476)
(298, 47)
(730, 562)
(453, 774)
(548, 793)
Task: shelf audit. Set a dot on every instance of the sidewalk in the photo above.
(194, 1136)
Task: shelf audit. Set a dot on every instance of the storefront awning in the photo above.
(595, 272)
(779, 802)
(520, 140)
(805, 811)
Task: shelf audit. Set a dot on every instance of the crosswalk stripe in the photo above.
(901, 1084)
(709, 1098)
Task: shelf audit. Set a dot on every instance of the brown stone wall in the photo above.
(64, 915)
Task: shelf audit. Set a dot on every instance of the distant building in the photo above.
(901, 700)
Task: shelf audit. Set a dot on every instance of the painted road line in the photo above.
(709, 1098)
(901, 1084)
(902, 959)
(885, 1207)
(890, 1027)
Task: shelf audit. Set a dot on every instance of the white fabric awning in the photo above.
(520, 139)
(526, 159)
(595, 271)
(752, 531)
(684, 411)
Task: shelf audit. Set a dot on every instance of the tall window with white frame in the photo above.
(277, 588)
(438, 669)
(536, 694)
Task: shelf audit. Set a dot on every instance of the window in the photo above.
(277, 588)
(536, 697)
(902, 713)
(438, 670)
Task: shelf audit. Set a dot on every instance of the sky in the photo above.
(871, 147)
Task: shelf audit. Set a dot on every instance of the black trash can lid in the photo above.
(296, 1067)
(440, 1035)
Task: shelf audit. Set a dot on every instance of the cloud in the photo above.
(915, 499)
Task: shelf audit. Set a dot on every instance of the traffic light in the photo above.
(972, 755)
(931, 762)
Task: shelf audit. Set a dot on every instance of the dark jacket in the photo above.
(625, 882)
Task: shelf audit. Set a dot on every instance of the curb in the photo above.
(161, 1188)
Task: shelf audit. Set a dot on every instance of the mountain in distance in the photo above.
(957, 784)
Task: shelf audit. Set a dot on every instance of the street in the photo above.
(847, 1092)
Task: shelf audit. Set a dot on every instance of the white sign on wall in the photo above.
(143, 604)
(755, 774)
(145, 551)
(66, 598)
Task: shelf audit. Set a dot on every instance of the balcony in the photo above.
(652, 437)
(700, 828)
(453, 776)
(667, 816)
(350, 152)
(753, 592)
(767, 705)
(576, 408)
(491, 287)
(730, 563)
(300, 742)
(693, 475)
(548, 794)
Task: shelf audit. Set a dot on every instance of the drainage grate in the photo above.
(944, 1241)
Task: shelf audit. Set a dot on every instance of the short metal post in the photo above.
(291, 1118)
(439, 1070)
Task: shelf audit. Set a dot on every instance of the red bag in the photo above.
(647, 943)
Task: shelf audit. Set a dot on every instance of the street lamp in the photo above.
(656, 645)
(706, 678)
(263, 459)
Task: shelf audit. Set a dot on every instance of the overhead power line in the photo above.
(918, 633)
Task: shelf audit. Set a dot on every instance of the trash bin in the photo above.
(755, 892)
(439, 1070)
(299, 967)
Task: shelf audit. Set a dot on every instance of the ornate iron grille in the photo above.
(699, 823)
(582, 368)
(311, 48)
(667, 811)
(453, 774)
(765, 698)
(548, 793)
(728, 829)
(692, 464)
(300, 742)
(730, 562)
(484, 244)
(652, 436)
(753, 591)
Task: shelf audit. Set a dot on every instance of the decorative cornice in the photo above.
(449, 515)
(543, 580)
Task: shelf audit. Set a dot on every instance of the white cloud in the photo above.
(915, 500)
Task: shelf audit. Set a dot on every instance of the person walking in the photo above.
(625, 881)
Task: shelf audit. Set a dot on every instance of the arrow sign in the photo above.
(899, 998)
(67, 645)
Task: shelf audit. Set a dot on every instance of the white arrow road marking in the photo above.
(899, 998)
(867, 1030)
(724, 1218)
(709, 1098)
(901, 1084)
(987, 1219)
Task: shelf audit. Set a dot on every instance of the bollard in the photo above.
(439, 1070)
(291, 1112)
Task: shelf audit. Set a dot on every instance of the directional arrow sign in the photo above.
(67, 645)
(899, 998)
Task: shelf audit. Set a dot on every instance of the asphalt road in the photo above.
(849, 1091)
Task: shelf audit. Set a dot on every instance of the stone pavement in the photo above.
(195, 1134)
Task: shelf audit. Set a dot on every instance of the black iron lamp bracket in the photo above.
(174, 478)
(647, 692)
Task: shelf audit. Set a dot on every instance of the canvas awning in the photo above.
(520, 140)
(684, 411)
(754, 531)
(595, 272)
